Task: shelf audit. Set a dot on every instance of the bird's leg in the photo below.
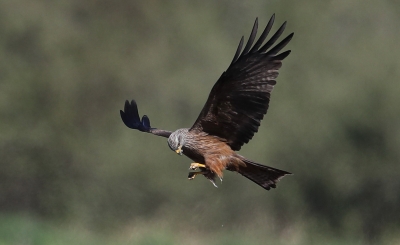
(196, 165)
(207, 173)
(193, 174)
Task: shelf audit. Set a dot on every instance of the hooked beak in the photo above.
(179, 150)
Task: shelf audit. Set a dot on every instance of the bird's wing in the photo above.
(130, 117)
(239, 99)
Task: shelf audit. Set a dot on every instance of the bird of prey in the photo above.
(232, 114)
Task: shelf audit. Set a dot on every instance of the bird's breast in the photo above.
(201, 147)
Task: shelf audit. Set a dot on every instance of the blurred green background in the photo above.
(72, 173)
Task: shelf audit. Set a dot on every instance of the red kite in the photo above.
(232, 114)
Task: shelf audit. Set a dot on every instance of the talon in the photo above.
(195, 166)
(192, 175)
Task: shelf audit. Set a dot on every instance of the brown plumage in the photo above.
(232, 114)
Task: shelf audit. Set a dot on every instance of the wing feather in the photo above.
(251, 38)
(240, 98)
(236, 56)
(273, 39)
(264, 34)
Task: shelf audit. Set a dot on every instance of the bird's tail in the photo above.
(262, 175)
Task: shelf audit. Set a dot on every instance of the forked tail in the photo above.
(262, 175)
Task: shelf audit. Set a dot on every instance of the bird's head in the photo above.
(177, 140)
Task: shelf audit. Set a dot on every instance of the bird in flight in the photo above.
(232, 114)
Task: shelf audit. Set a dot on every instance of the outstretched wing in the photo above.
(130, 117)
(239, 99)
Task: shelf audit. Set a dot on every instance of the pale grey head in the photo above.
(177, 140)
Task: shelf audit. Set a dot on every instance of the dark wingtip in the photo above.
(251, 38)
(283, 55)
(273, 39)
(146, 121)
(238, 50)
(124, 119)
(130, 117)
(256, 47)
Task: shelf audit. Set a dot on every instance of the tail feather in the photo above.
(264, 176)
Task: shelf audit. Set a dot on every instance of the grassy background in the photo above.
(71, 172)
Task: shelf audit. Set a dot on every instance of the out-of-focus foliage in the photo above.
(66, 68)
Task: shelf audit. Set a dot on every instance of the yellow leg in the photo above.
(196, 165)
(193, 174)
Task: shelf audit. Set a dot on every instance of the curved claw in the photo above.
(196, 165)
(191, 175)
